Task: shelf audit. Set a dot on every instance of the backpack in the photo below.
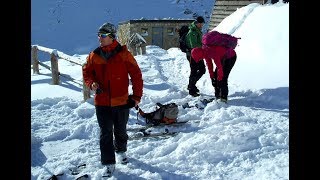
(166, 113)
(183, 31)
(219, 39)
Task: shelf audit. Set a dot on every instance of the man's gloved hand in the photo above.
(130, 102)
(214, 82)
(98, 91)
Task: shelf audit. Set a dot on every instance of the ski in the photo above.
(55, 176)
(74, 171)
(206, 101)
(144, 134)
(83, 177)
(186, 92)
(145, 127)
(201, 105)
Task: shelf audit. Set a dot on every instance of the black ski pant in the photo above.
(221, 89)
(197, 70)
(112, 121)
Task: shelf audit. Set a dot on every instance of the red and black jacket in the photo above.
(111, 70)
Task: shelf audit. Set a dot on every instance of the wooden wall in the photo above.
(223, 8)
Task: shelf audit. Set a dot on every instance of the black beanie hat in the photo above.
(200, 19)
(108, 28)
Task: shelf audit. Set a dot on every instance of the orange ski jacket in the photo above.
(111, 70)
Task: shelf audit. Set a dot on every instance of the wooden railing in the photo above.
(54, 56)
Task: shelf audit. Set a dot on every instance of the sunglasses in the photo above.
(103, 35)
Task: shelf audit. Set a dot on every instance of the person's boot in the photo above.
(192, 86)
(224, 98)
(196, 89)
(123, 157)
(193, 93)
(108, 170)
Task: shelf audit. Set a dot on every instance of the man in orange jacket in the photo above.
(106, 72)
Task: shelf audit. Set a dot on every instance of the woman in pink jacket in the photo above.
(224, 59)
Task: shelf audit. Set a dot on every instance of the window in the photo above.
(170, 31)
(144, 31)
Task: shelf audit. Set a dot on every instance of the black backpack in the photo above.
(165, 113)
(183, 31)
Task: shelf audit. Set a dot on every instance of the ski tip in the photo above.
(55, 176)
(76, 170)
(83, 177)
(82, 165)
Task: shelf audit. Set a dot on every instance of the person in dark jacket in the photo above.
(197, 69)
(106, 72)
(224, 60)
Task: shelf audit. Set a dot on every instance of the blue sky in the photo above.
(78, 21)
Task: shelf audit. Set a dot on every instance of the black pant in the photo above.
(197, 70)
(112, 120)
(222, 90)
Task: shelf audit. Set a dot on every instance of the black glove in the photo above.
(130, 102)
(98, 91)
(214, 82)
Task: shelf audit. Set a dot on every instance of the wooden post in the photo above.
(134, 50)
(54, 70)
(35, 62)
(86, 90)
(138, 47)
(143, 49)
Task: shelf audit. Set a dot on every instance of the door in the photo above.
(157, 36)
